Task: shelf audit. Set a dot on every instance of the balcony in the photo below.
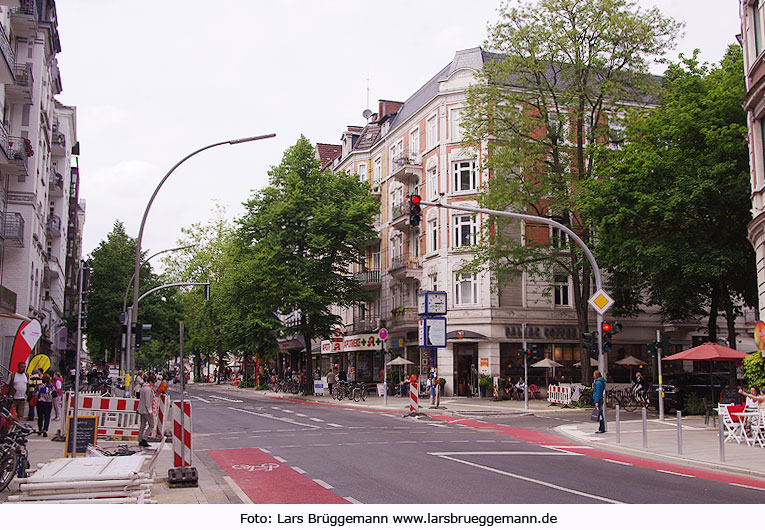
(8, 61)
(7, 300)
(20, 91)
(24, 19)
(403, 317)
(58, 143)
(56, 184)
(370, 278)
(54, 267)
(363, 325)
(406, 266)
(13, 230)
(53, 226)
(399, 216)
(375, 188)
(17, 151)
(407, 167)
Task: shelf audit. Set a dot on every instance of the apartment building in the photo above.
(415, 147)
(42, 214)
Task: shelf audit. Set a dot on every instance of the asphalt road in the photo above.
(281, 449)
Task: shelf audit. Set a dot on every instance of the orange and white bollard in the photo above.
(413, 395)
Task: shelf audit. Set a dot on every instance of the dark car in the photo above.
(677, 388)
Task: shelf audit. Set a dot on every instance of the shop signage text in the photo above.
(542, 332)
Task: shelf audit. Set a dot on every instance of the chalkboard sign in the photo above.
(87, 432)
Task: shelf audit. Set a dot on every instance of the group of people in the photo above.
(40, 391)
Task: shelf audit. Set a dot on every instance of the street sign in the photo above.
(432, 332)
(601, 302)
(383, 333)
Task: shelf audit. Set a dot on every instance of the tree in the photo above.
(556, 69)
(673, 204)
(300, 236)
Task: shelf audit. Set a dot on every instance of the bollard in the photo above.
(645, 429)
(618, 432)
(679, 432)
(722, 441)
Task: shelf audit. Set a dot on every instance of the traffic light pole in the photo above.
(525, 367)
(595, 269)
(659, 352)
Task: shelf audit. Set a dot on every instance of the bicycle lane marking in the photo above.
(265, 480)
(562, 444)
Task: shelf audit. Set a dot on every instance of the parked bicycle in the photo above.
(102, 385)
(14, 457)
(359, 392)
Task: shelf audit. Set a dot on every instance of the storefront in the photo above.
(364, 358)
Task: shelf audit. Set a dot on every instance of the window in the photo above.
(363, 172)
(377, 175)
(465, 229)
(414, 142)
(432, 131)
(456, 124)
(465, 289)
(464, 175)
(433, 235)
(433, 282)
(558, 125)
(757, 27)
(560, 289)
(558, 238)
(432, 181)
(396, 151)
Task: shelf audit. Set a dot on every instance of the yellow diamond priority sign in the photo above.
(600, 301)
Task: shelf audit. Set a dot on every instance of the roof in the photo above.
(327, 153)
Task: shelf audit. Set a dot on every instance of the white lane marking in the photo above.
(228, 399)
(351, 443)
(746, 486)
(675, 473)
(264, 450)
(289, 446)
(432, 441)
(272, 417)
(377, 443)
(352, 500)
(504, 453)
(276, 408)
(459, 441)
(299, 415)
(564, 447)
(312, 419)
(485, 441)
(535, 481)
(617, 462)
(239, 493)
(280, 459)
(302, 472)
(201, 399)
(320, 445)
(334, 425)
(323, 484)
(288, 411)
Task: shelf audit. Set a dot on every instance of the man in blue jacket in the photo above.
(599, 397)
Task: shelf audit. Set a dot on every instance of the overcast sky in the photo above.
(155, 81)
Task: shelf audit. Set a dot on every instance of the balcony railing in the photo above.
(406, 158)
(53, 226)
(398, 263)
(57, 184)
(7, 300)
(58, 141)
(13, 229)
(23, 74)
(397, 211)
(367, 277)
(7, 50)
(365, 325)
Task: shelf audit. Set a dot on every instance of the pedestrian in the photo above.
(18, 383)
(331, 379)
(137, 383)
(34, 379)
(44, 394)
(146, 408)
(598, 396)
(58, 384)
(755, 399)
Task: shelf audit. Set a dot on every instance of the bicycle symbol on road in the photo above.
(267, 466)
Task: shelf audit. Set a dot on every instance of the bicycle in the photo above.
(102, 386)
(359, 392)
(14, 458)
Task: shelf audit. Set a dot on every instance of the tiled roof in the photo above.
(327, 153)
(368, 136)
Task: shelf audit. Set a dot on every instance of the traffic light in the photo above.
(607, 328)
(533, 351)
(141, 334)
(591, 342)
(414, 210)
(652, 347)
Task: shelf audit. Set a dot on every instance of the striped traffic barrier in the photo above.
(163, 415)
(559, 394)
(413, 395)
(181, 436)
(116, 416)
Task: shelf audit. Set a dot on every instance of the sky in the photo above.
(153, 82)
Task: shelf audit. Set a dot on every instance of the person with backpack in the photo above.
(43, 397)
(34, 379)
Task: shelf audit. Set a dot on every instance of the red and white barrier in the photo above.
(559, 394)
(116, 416)
(413, 395)
(184, 445)
(163, 415)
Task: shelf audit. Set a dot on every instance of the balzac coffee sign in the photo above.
(543, 332)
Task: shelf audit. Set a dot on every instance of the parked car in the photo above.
(678, 386)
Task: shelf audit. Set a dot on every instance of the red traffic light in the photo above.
(607, 327)
(415, 199)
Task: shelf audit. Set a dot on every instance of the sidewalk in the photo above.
(700, 448)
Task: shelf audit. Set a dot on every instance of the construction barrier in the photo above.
(163, 415)
(559, 394)
(178, 444)
(413, 405)
(117, 416)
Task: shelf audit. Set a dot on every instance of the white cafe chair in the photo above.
(733, 429)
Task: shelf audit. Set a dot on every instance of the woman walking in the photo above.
(58, 385)
(44, 395)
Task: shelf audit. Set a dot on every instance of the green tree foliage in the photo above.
(557, 68)
(754, 370)
(672, 204)
(299, 236)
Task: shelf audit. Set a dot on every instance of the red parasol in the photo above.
(709, 351)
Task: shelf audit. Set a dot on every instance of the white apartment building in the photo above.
(41, 210)
(415, 147)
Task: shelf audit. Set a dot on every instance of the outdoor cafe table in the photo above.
(745, 420)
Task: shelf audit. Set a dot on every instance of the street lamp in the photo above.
(130, 283)
(137, 273)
